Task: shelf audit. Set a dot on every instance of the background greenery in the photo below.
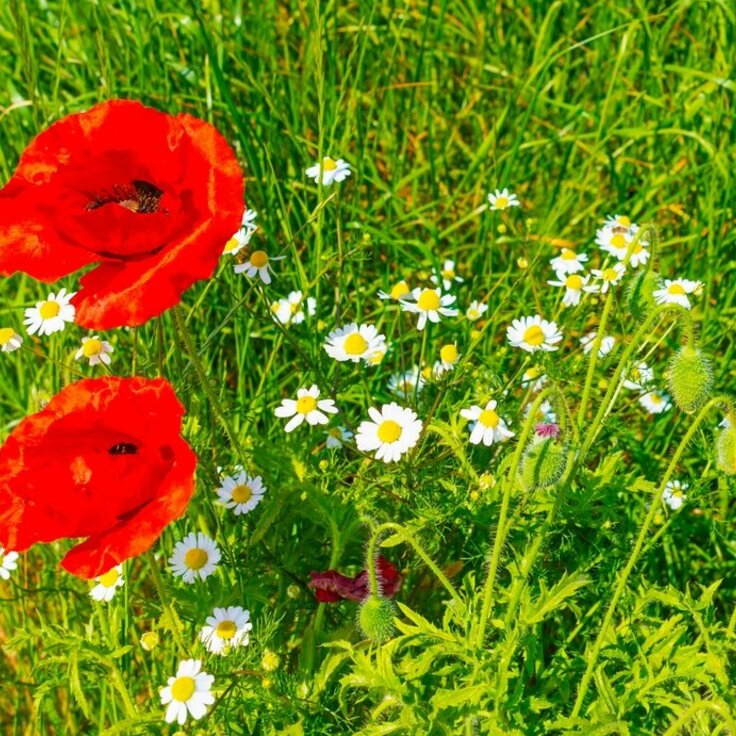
(584, 109)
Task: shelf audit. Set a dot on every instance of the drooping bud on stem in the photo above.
(690, 378)
(376, 618)
(543, 462)
(726, 450)
(640, 294)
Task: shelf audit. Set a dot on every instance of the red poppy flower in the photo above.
(331, 586)
(104, 460)
(149, 197)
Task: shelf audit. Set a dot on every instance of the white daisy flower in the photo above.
(655, 402)
(675, 291)
(258, 263)
(618, 221)
(51, 315)
(8, 563)
(608, 277)
(430, 305)
(107, 584)
(354, 342)
(475, 310)
(10, 340)
(393, 432)
(337, 437)
(331, 171)
(614, 240)
(545, 412)
(533, 333)
(241, 238)
(535, 377)
(449, 357)
(95, 350)
(447, 275)
(502, 199)
(241, 493)
(573, 284)
(187, 693)
(307, 407)
(291, 310)
(194, 557)
(639, 377)
(226, 629)
(607, 344)
(487, 426)
(568, 262)
(639, 255)
(674, 494)
(398, 291)
(408, 383)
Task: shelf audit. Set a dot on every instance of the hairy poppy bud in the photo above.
(376, 618)
(690, 379)
(640, 294)
(543, 463)
(726, 451)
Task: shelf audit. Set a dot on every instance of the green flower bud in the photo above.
(376, 618)
(640, 294)
(726, 451)
(690, 379)
(543, 463)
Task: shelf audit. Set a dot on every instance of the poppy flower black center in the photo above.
(138, 196)
(123, 448)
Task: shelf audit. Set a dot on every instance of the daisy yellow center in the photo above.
(618, 241)
(231, 245)
(259, 258)
(183, 689)
(389, 431)
(91, 347)
(448, 273)
(355, 344)
(574, 282)
(676, 493)
(399, 290)
(638, 248)
(610, 274)
(49, 309)
(636, 374)
(6, 335)
(109, 578)
(473, 313)
(329, 164)
(568, 255)
(429, 301)
(655, 399)
(241, 493)
(305, 404)
(624, 221)
(502, 202)
(226, 630)
(296, 307)
(676, 289)
(534, 335)
(532, 373)
(489, 418)
(448, 353)
(196, 558)
(376, 358)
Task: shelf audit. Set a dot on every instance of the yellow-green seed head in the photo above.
(543, 463)
(690, 379)
(640, 294)
(376, 619)
(726, 451)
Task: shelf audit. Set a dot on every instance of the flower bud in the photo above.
(640, 294)
(149, 640)
(376, 618)
(543, 463)
(726, 451)
(690, 379)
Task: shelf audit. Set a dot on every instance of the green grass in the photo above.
(583, 109)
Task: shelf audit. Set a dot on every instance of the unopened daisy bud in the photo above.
(522, 263)
(690, 379)
(543, 463)
(270, 661)
(501, 228)
(726, 451)
(640, 294)
(376, 619)
(149, 640)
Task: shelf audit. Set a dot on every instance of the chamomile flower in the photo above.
(534, 377)
(8, 563)
(194, 557)
(607, 344)
(408, 383)
(607, 277)
(294, 309)
(486, 424)
(655, 402)
(96, 351)
(107, 584)
(10, 340)
(639, 255)
(448, 276)
(573, 284)
(354, 343)
(241, 238)
(639, 377)
(307, 407)
(241, 493)
(392, 432)
(337, 437)
(502, 199)
(258, 264)
(675, 291)
(189, 693)
(430, 305)
(330, 170)
(398, 291)
(226, 629)
(533, 333)
(674, 494)
(614, 240)
(475, 310)
(449, 357)
(568, 262)
(50, 315)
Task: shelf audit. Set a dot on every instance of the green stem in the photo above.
(592, 658)
(697, 707)
(173, 619)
